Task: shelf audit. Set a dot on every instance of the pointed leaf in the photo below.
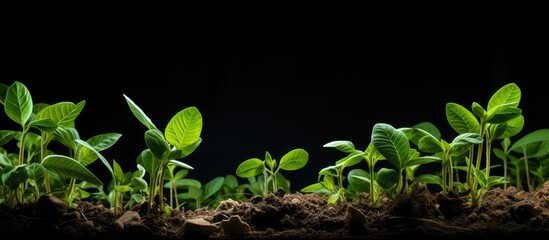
(181, 164)
(105, 162)
(69, 167)
(502, 114)
(212, 187)
(63, 113)
(18, 103)
(344, 146)
(139, 114)
(391, 143)
(461, 119)
(535, 136)
(99, 142)
(6, 136)
(512, 127)
(46, 125)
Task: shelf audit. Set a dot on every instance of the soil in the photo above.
(503, 214)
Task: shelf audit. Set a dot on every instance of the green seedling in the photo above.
(179, 139)
(501, 119)
(197, 195)
(336, 191)
(394, 146)
(293, 160)
(534, 145)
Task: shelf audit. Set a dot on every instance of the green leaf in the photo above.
(157, 144)
(63, 113)
(122, 188)
(429, 179)
(430, 128)
(105, 162)
(147, 160)
(512, 127)
(461, 119)
(294, 159)
(67, 137)
(37, 172)
(184, 128)
(69, 167)
(13, 176)
(250, 168)
(212, 187)
(391, 143)
(502, 114)
(3, 91)
(186, 151)
(315, 187)
(423, 139)
(181, 164)
(387, 178)
(6, 136)
(117, 171)
(508, 95)
(139, 184)
(343, 146)
(18, 103)
(535, 136)
(478, 110)
(420, 161)
(46, 125)
(359, 180)
(185, 183)
(99, 143)
(139, 114)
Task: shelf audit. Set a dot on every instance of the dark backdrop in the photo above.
(271, 83)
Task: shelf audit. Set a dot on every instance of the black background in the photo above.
(275, 83)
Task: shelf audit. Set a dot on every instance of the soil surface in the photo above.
(503, 214)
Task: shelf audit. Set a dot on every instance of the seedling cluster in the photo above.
(160, 181)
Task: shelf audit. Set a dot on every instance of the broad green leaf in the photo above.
(249, 168)
(430, 128)
(46, 125)
(69, 167)
(13, 176)
(6, 136)
(359, 180)
(63, 113)
(351, 160)
(424, 140)
(372, 155)
(230, 181)
(139, 114)
(507, 95)
(105, 162)
(429, 179)
(420, 161)
(37, 172)
(387, 178)
(18, 103)
(184, 128)
(294, 159)
(461, 119)
(315, 187)
(157, 144)
(212, 187)
(342, 145)
(512, 127)
(139, 184)
(99, 143)
(391, 143)
(186, 151)
(147, 160)
(502, 114)
(67, 137)
(535, 136)
(194, 193)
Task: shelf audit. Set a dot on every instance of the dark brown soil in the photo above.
(503, 214)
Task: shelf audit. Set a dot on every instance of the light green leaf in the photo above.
(461, 119)
(105, 162)
(509, 95)
(139, 114)
(184, 128)
(342, 145)
(212, 187)
(157, 144)
(250, 168)
(99, 143)
(294, 159)
(181, 164)
(6, 136)
(535, 136)
(63, 113)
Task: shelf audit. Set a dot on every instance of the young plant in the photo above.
(394, 146)
(534, 145)
(501, 119)
(179, 139)
(337, 192)
(196, 196)
(293, 160)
